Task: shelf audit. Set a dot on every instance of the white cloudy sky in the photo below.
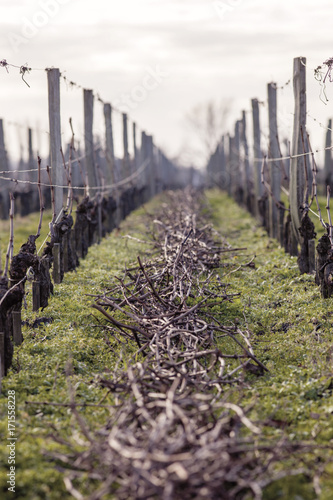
(225, 51)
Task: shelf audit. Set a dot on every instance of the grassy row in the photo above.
(290, 325)
(291, 330)
(39, 368)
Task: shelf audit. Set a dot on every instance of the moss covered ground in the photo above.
(291, 331)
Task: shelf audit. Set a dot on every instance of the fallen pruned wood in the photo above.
(172, 433)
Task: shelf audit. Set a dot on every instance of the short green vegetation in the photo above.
(291, 329)
(291, 332)
(23, 226)
(69, 340)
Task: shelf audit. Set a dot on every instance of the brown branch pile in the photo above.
(167, 306)
(166, 440)
(172, 434)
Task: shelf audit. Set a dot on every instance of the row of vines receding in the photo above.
(284, 192)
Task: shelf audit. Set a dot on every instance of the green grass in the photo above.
(39, 367)
(291, 331)
(23, 227)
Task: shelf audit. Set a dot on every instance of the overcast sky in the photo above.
(157, 59)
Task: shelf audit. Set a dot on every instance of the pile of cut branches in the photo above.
(167, 305)
(172, 433)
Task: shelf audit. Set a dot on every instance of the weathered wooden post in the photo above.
(297, 171)
(88, 100)
(160, 163)
(246, 165)
(257, 161)
(145, 175)
(328, 155)
(126, 162)
(93, 179)
(151, 168)
(235, 165)
(135, 148)
(312, 255)
(35, 295)
(165, 172)
(56, 264)
(17, 326)
(110, 171)
(110, 165)
(3, 166)
(135, 164)
(274, 166)
(53, 77)
(231, 164)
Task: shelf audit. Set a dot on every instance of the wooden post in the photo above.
(126, 165)
(231, 164)
(216, 165)
(328, 156)
(235, 172)
(85, 235)
(3, 166)
(165, 172)
(135, 148)
(53, 77)
(160, 171)
(35, 295)
(151, 168)
(56, 264)
(136, 164)
(143, 182)
(257, 162)
(78, 241)
(111, 161)
(88, 100)
(65, 243)
(33, 199)
(312, 255)
(17, 327)
(246, 164)
(281, 214)
(110, 170)
(274, 166)
(73, 244)
(297, 174)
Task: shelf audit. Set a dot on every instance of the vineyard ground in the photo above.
(291, 331)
